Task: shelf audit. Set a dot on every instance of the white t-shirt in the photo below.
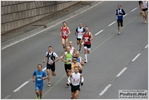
(75, 79)
(144, 4)
(80, 32)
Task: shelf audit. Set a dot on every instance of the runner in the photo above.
(67, 59)
(51, 57)
(64, 33)
(87, 37)
(80, 59)
(74, 63)
(71, 47)
(144, 7)
(75, 81)
(120, 12)
(38, 77)
(79, 33)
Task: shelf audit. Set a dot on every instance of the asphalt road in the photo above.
(110, 54)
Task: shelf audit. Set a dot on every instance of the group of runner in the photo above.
(73, 62)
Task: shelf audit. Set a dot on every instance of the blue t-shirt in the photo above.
(38, 77)
(79, 60)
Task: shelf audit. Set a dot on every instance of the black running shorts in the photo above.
(145, 9)
(75, 88)
(120, 22)
(87, 45)
(79, 39)
(67, 67)
(52, 67)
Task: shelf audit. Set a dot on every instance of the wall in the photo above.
(15, 14)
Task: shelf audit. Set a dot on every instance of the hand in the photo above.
(70, 84)
(33, 80)
(43, 78)
(44, 61)
(81, 83)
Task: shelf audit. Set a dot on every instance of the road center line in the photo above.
(136, 56)
(105, 90)
(118, 75)
(99, 32)
(133, 9)
(21, 86)
(112, 23)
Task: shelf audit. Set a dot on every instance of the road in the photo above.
(110, 54)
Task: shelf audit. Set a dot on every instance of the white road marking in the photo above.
(146, 46)
(133, 9)
(112, 23)
(44, 69)
(125, 15)
(136, 56)
(98, 32)
(105, 90)
(118, 75)
(7, 97)
(21, 86)
(49, 27)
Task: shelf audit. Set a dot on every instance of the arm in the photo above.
(75, 32)
(33, 77)
(91, 36)
(80, 67)
(68, 31)
(45, 58)
(60, 32)
(123, 12)
(44, 76)
(82, 61)
(116, 12)
(63, 58)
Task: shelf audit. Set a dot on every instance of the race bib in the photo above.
(64, 33)
(86, 39)
(50, 62)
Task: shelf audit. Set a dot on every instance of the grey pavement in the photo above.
(109, 55)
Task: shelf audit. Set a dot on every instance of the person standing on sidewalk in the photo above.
(120, 12)
(38, 77)
(64, 33)
(51, 57)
